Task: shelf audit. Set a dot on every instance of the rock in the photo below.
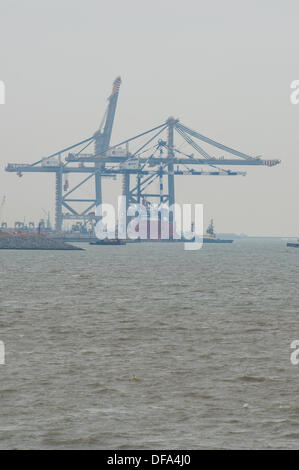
(33, 242)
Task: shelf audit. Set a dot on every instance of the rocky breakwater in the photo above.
(32, 242)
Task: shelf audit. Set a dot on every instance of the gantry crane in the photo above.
(151, 159)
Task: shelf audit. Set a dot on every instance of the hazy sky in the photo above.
(223, 68)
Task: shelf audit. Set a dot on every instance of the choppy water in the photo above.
(206, 333)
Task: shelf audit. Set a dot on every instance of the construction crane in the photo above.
(155, 154)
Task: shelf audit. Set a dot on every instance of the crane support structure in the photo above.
(153, 155)
(102, 139)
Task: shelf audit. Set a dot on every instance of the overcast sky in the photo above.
(224, 68)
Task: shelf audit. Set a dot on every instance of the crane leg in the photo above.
(98, 187)
(171, 198)
(58, 206)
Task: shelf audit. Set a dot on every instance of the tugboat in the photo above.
(210, 236)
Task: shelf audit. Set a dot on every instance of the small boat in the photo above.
(108, 241)
(293, 244)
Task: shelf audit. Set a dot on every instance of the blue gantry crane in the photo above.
(141, 160)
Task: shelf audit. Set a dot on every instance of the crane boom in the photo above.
(102, 139)
(111, 113)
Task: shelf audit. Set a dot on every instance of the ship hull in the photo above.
(216, 240)
(106, 242)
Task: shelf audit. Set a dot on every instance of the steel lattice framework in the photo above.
(155, 157)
